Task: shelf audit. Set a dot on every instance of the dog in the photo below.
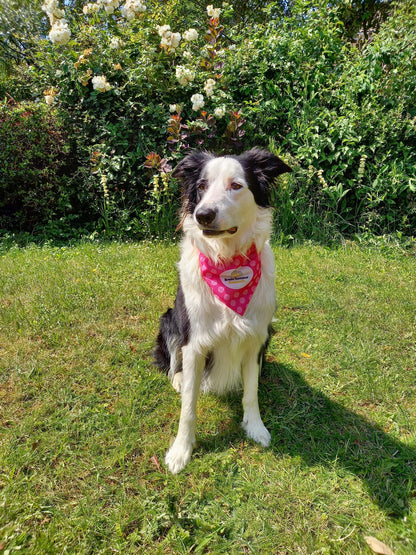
(214, 337)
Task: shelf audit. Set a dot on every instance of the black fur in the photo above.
(174, 328)
(188, 172)
(260, 356)
(261, 169)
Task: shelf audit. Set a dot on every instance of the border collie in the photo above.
(215, 336)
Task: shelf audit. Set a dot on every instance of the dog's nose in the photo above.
(205, 216)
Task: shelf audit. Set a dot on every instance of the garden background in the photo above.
(100, 100)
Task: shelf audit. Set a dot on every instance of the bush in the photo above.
(138, 87)
(129, 89)
(34, 161)
(346, 116)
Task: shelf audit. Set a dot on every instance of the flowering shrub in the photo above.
(116, 70)
(138, 82)
(182, 53)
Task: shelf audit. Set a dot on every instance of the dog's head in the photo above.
(222, 193)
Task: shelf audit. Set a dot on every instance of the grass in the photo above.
(85, 419)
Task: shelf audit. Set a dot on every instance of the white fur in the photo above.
(235, 340)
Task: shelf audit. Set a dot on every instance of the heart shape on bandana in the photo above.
(237, 278)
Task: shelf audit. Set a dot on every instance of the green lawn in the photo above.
(85, 419)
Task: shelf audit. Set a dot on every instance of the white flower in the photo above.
(219, 112)
(60, 32)
(197, 102)
(213, 12)
(109, 5)
(50, 95)
(163, 29)
(116, 43)
(190, 35)
(209, 87)
(49, 99)
(132, 9)
(174, 108)
(184, 75)
(90, 8)
(170, 40)
(100, 83)
(187, 55)
(51, 8)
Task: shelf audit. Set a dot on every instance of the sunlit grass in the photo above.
(85, 417)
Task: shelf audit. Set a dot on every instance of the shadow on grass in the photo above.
(305, 423)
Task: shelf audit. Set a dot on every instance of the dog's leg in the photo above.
(180, 453)
(252, 422)
(175, 371)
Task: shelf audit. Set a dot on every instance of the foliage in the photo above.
(107, 80)
(336, 105)
(34, 161)
(346, 116)
(20, 23)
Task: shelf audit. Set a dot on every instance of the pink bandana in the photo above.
(233, 283)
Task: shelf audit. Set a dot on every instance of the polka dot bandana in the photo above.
(234, 282)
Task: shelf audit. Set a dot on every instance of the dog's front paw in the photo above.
(257, 431)
(178, 456)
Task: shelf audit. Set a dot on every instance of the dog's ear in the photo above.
(262, 168)
(188, 172)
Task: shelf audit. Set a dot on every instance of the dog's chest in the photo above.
(212, 321)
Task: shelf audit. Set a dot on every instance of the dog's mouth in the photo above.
(216, 232)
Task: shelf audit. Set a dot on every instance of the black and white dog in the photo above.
(215, 336)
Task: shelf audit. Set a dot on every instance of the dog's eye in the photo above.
(202, 185)
(236, 186)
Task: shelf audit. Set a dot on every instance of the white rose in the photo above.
(213, 12)
(190, 34)
(116, 43)
(219, 112)
(184, 75)
(175, 39)
(60, 32)
(90, 8)
(162, 29)
(209, 87)
(132, 9)
(197, 102)
(100, 83)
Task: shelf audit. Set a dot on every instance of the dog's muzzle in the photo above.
(205, 218)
